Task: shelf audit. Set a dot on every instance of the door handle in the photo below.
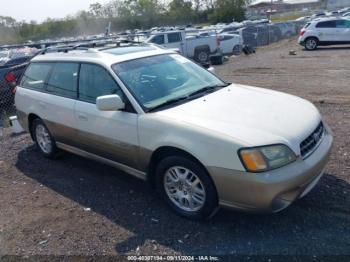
(82, 117)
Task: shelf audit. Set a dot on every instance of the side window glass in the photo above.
(326, 24)
(158, 39)
(95, 81)
(174, 37)
(35, 76)
(63, 80)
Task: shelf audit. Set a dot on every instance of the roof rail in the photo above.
(90, 46)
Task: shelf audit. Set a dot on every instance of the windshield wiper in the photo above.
(208, 89)
(168, 102)
(191, 96)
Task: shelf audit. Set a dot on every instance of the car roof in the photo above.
(106, 56)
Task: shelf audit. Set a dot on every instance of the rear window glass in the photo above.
(35, 76)
(63, 80)
(326, 24)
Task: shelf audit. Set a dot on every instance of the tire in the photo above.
(43, 139)
(195, 202)
(202, 55)
(217, 60)
(311, 43)
(237, 50)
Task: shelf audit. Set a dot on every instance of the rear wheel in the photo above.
(237, 50)
(186, 187)
(202, 55)
(43, 139)
(311, 43)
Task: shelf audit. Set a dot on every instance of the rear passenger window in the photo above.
(326, 24)
(343, 24)
(174, 37)
(35, 76)
(63, 80)
(95, 81)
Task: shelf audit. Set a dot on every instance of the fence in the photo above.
(265, 34)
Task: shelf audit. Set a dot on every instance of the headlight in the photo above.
(258, 159)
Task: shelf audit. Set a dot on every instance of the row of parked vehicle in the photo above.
(325, 28)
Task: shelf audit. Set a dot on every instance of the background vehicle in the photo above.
(327, 31)
(200, 48)
(230, 44)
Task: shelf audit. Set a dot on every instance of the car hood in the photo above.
(251, 116)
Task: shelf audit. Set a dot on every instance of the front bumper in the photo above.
(274, 190)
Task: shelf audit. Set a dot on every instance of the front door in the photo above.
(109, 134)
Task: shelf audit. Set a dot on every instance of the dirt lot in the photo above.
(73, 206)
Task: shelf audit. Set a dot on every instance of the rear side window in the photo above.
(174, 37)
(326, 24)
(95, 81)
(63, 80)
(343, 23)
(35, 76)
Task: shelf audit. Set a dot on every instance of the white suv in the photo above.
(325, 31)
(159, 116)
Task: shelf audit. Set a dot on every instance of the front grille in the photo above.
(309, 144)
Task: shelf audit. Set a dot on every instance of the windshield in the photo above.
(158, 79)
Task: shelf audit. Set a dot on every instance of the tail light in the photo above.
(11, 80)
(302, 32)
(217, 41)
(10, 77)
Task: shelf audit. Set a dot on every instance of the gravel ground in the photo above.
(73, 206)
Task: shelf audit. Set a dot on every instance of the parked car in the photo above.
(200, 48)
(157, 115)
(327, 31)
(11, 69)
(231, 44)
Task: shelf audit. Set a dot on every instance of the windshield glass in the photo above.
(158, 79)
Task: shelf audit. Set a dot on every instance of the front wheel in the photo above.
(186, 187)
(311, 43)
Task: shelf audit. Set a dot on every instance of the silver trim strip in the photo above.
(127, 169)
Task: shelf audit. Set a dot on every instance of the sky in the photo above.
(39, 10)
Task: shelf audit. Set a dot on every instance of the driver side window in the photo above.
(95, 81)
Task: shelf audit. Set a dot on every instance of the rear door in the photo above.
(326, 31)
(60, 98)
(109, 134)
(174, 40)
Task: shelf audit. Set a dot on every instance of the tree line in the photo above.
(124, 14)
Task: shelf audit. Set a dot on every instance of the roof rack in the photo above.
(91, 46)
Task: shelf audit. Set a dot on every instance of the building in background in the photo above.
(264, 7)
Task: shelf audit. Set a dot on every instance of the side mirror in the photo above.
(109, 103)
(211, 69)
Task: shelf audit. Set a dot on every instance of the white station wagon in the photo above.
(157, 115)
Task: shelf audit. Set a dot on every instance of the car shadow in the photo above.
(328, 48)
(317, 224)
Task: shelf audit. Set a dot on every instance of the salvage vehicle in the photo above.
(201, 48)
(325, 31)
(151, 112)
(231, 44)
